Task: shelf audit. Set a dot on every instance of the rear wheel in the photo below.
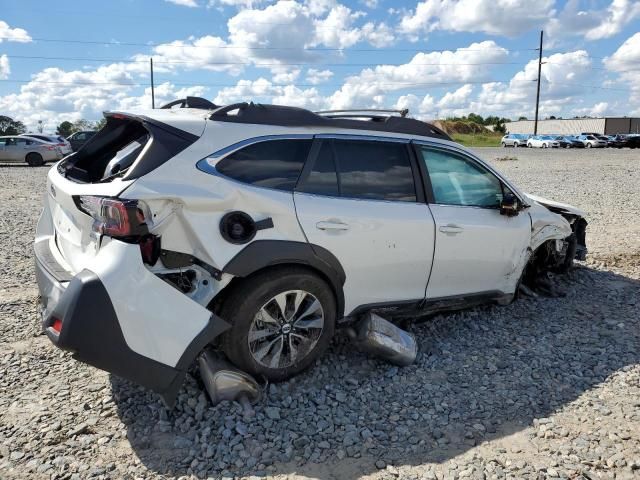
(34, 159)
(516, 145)
(544, 145)
(589, 145)
(282, 321)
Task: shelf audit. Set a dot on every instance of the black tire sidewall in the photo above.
(34, 160)
(241, 307)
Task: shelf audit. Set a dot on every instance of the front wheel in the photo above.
(282, 321)
(504, 145)
(544, 145)
(589, 145)
(34, 159)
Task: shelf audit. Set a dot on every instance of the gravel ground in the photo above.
(542, 388)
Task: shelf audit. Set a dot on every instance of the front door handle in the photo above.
(451, 229)
(332, 226)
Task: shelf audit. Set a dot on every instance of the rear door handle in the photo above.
(332, 226)
(451, 229)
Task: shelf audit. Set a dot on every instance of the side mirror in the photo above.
(509, 206)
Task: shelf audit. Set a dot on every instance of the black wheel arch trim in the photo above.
(261, 254)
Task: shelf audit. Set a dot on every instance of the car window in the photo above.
(322, 179)
(457, 180)
(273, 164)
(374, 170)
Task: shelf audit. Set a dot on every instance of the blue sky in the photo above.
(72, 60)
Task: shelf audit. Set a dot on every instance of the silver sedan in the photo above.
(30, 150)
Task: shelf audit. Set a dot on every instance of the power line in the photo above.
(242, 47)
(199, 64)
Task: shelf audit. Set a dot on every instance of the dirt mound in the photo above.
(457, 126)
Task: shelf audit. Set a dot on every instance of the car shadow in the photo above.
(480, 375)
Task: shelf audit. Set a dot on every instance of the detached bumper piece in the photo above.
(81, 319)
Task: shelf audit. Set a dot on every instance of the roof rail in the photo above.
(263, 114)
(361, 113)
(191, 102)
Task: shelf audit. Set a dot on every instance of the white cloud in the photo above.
(457, 99)
(625, 64)
(562, 76)
(13, 34)
(594, 24)
(495, 17)
(372, 4)
(262, 90)
(316, 77)
(285, 75)
(54, 95)
(184, 3)
(5, 69)
(424, 108)
(283, 32)
(233, 3)
(425, 70)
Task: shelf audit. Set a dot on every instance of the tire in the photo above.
(34, 159)
(256, 296)
(589, 145)
(544, 145)
(504, 145)
(528, 145)
(516, 145)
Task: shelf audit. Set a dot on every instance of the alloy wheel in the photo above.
(286, 329)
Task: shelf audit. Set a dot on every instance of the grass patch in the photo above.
(506, 158)
(477, 140)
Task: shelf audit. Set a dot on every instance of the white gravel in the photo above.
(542, 388)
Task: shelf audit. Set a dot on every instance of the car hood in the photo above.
(551, 203)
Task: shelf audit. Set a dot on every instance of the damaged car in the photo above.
(259, 230)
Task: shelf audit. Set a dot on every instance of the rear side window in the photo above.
(375, 170)
(273, 164)
(364, 170)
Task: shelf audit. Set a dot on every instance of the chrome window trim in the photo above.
(375, 138)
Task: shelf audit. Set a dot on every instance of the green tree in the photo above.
(65, 129)
(523, 118)
(9, 126)
(472, 117)
(100, 123)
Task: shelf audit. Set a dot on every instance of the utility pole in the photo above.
(153, 93)
(535, 125)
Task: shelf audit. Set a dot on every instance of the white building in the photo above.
(569, 126)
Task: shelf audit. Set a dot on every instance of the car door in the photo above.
(12, 150)
(477, 249)
(361, 200)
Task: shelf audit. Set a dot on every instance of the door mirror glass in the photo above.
(509, 206)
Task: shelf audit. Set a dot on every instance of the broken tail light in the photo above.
(114, 217)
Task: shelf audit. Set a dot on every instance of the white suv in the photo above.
(259, 229)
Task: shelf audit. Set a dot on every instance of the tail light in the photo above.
(50, 147)
(114, 217)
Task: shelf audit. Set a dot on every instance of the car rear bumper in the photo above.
(86, 324)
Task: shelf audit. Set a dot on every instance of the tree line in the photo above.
(9, 126)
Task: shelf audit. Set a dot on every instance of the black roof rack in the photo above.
(192, 102)
(362, 113)
(263, 114)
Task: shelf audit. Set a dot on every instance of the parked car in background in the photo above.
(564, 142)
(260, 229)
(542, 141)
(59, 140)
(575, 143)
(33, 151)
(591, 141)
(80, 138)
(514, 140)
(632, 141)
(616, 141)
